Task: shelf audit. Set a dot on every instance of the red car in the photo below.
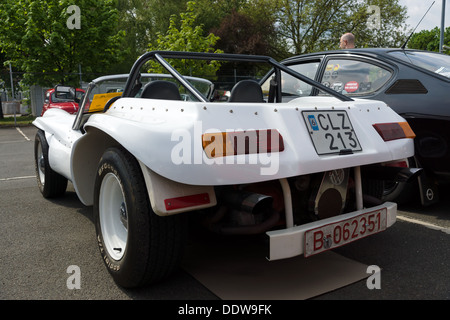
(67, 104)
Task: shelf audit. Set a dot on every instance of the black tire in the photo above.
(151, 247)
(399, 192)
(373, 188)
(51, 184)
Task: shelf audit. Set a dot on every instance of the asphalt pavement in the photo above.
(43, 239)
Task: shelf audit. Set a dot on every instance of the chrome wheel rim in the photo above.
(40, 164)
(113, 216)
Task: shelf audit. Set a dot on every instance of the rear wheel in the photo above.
(400, 192)
(137, 246)
(51, 184)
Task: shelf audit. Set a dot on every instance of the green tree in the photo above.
(134, 20)
(188, 37)
(380, 23)
(210, 13)
(265, 14)
(3, 72)
(428, 39)
(143, 20)
(36, 37)
(317, 25)
(240, 34)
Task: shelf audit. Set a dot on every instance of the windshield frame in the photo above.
(94, 83)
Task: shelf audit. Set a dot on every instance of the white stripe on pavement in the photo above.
(17, 178)
(23, 134)
(423, 223)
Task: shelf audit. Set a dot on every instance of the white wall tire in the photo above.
(51, 184)
(137, 246)
(113, 216)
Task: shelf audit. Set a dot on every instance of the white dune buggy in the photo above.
(149, 151)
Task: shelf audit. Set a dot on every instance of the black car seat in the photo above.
(161, 89)
(246, 91)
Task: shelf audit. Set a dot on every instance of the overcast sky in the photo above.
(417, 8)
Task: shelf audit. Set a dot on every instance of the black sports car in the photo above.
(416, 84)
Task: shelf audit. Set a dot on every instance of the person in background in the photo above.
(347, 41)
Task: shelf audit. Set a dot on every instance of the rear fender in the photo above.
(167, 197)
(86, 155)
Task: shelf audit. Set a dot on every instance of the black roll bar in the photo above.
(160, 56)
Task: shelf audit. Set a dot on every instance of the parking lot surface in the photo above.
(43, 239)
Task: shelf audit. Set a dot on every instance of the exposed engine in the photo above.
(257, 208)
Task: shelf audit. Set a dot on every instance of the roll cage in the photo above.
(133, 84)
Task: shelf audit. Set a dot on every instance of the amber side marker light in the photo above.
(394, 131)
(222, 144)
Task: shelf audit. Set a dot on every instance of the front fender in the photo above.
(57, 126)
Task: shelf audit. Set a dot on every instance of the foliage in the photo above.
(142, 21)
(4, 72)
(392, 30)
(265, 14)
(19, 120)
(312, 26)
(189, 37)
(240, 34)
(211, 13)
(429, 39)
(36, 39)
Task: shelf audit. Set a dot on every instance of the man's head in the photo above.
(347, 41)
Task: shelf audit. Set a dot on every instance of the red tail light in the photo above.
(394, 131)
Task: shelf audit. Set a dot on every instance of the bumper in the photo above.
(290, 242)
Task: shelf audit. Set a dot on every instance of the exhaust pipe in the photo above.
(248, 202)
(246, 213)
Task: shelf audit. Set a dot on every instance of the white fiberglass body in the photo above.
(167, 138)
(191, 154)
